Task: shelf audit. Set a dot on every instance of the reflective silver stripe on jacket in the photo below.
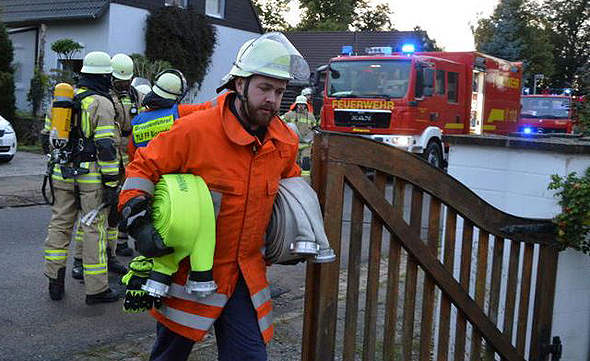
(265, 322)
(216, 299)
(262, 296)
(186, 319)
(142, 184)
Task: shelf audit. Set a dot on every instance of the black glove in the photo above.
(136, 216)
(136, 299)
(110, 195)
(44, 138)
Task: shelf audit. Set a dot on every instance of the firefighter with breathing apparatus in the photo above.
(84, 177)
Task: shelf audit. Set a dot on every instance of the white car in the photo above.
(7, 141)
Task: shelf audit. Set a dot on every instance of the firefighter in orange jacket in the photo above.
(242, 150)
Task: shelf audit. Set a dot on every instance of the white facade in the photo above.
(120, 29)
(515, 181)
(23, 42)
(229, 41)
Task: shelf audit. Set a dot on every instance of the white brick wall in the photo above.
(515, 181)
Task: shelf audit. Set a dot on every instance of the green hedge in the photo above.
(182, 37)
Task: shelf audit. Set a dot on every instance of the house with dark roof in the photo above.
(115, 26)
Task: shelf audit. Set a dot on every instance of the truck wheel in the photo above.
(433, 154)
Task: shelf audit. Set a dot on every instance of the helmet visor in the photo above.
(274, 56)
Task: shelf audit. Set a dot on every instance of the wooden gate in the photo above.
(466, 282)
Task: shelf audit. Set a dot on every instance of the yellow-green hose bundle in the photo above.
(182, 212)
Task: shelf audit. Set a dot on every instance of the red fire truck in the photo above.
(546, 113)
(409, 100)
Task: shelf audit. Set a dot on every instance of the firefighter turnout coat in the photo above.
(213, 144)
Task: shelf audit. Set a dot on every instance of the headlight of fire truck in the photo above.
(402, 141)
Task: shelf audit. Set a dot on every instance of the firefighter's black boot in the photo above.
(77, 270)
(114, 265)
(56, 285)
(104, 297)
(123, 248)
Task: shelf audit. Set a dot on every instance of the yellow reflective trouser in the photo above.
(112, 235)
(64, 214)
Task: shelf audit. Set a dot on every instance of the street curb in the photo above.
(21, 191)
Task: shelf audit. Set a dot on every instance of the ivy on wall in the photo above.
(184, 38)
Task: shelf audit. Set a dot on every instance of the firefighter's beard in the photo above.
(260, 116)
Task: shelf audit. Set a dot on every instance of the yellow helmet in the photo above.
(301, 99)
(270, 55)
(170, 84)
(97, 62)
(122, 67)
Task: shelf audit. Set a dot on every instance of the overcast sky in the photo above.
(446, 21)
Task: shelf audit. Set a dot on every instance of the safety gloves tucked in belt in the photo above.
(136, 299)
(136, 218)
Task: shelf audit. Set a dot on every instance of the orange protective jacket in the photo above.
(213, 144)
(183, 109)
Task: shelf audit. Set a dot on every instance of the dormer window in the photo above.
(215, 8)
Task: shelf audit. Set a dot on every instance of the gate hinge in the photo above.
(554, 349)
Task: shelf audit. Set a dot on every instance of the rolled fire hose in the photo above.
(183, 214)
(296, 228)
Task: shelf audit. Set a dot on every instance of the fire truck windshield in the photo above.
(369, 79)
(545, 107)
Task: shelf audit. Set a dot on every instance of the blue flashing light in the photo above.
(408, 48)
(527, 130)
(567, 91)
(346, 49)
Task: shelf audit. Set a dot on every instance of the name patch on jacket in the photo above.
(147, 131)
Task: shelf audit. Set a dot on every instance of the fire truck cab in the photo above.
(410, 100)
(546, 113)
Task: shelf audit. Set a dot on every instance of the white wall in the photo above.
(126, 29)
(24, 64)
(93, 35)
(229, 42)
(119, 30)
(516, 181)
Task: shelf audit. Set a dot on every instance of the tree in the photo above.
(66, 48)
(7, 98)
(426, 43)
(182, 37)
(343, 15)
(272, 14)
(514, 32)
(569, 22)
(327, 15)
(372, 18)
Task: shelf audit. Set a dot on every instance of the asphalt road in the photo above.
(32, 326)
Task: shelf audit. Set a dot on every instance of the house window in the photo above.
(180, 3)
(215, 8)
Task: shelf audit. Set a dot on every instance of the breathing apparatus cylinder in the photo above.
(61, 114)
